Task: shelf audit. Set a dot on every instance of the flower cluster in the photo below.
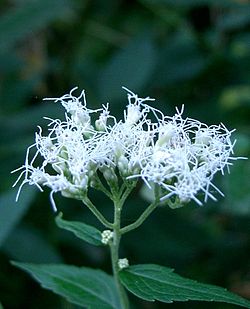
(107, 235)
(123, 263)
(179, 155)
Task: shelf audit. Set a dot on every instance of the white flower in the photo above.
(181, 155)
(186, 156)
(67, 150)
(101, 123)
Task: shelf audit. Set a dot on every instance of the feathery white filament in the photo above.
(181, 155)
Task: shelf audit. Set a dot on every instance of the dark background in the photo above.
(194, 52)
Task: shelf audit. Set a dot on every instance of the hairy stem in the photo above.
(97, 213)
(99, 186)
(126, 192)
(114, 248)
(141, 219)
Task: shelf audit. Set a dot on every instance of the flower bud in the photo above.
(166, 132)
(123, 263)
(81, 117)
(133, 114)
(107, 236)
(203, 136)
(122, 164)
(109, 175)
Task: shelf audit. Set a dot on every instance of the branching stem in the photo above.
(145, 214)
(141, 219)
(97, 213)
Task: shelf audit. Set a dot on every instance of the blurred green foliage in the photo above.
(192, 52)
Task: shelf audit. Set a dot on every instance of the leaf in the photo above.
(154, 282)
(236, 186)
(181, 59)
(237, 189)
(131, 67)
(85, 232)
(29, 245)
(80, 285)
(11, 212)
(29, 18)
(20, 125)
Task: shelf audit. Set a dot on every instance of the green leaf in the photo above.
(1, 306)
(28, 244)
(80, 285)
(19, 125)
(29, 18)
(181, 59)
(131, 67)
(12, 212)
(237, 189)
(154, 282)
(85, 232)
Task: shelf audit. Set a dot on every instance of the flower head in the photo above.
(180, 155)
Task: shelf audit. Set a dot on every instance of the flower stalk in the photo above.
(114, 250)
(145, 214)
(141, 219)
(97, 213)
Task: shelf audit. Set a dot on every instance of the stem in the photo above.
(141, 219)
(145, 214)
(114, 247)
(126, 193)
(97, 213)
(99, 186)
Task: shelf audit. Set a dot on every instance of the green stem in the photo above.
(99, 186)
(122, 188)
(141, 219)
(114, 247)
(126, 193)
(97, 213)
